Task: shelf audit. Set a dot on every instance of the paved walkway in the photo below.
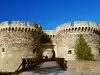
(51, 68)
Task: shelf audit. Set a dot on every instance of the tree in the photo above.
(82, 49)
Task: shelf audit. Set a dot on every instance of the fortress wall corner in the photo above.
(17, 42)
(65, 39)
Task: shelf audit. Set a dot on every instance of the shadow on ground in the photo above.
(47, 70)
(51, 68)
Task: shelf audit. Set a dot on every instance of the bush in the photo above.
(82, 49)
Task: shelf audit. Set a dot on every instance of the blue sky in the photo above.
(50, 13)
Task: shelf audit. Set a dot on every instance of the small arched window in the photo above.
(99, 50)
(33, 51)
(82, 28)
(3, 49)
(69, 52)
(72, 28)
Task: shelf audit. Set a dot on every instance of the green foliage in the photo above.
(82, 49)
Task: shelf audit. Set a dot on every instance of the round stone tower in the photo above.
(17, 41)
(67, 34)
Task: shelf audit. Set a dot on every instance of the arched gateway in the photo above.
(48, 54)
(49, 51)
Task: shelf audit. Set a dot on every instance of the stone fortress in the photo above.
(19, 41)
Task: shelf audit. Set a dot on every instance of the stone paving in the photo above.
(51, 68)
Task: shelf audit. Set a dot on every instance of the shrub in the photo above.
(82, 49)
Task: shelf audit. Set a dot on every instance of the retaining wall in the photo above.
(83, 66)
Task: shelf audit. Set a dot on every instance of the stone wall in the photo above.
(83, 66)
(66, 37)
(77, 25)
(66, 43)
(17, 43)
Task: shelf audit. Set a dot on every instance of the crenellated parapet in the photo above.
(50, 33)
(78, 26)
(19, 26)
(64, 26)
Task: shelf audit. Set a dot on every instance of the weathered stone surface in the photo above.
(15, 45)
(65, 38)
(83, 66)
(18, 41)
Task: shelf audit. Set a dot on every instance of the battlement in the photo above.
(49, 33)
(4, 24)
(81, 24)
(63, 26)
(77, 25)
(19, 25)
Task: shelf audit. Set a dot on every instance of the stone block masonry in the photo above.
(18, 41)
(83, 66)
